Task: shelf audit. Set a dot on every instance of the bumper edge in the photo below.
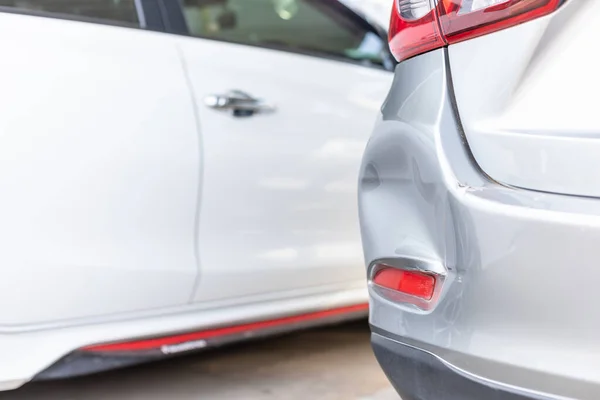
(419, 375)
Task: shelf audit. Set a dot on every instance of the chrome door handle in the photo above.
(241, 104)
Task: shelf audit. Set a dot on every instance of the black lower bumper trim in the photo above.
(81, 363)
(418, 375)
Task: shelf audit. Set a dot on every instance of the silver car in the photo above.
(479, 202)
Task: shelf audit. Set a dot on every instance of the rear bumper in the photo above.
(419, 375)
(518, 306)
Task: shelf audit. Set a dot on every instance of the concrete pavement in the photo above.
(334, 363)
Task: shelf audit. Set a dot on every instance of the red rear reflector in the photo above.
(417, 26)
(412, 283)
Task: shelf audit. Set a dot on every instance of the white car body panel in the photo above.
(27, 352)
(377, 11)
(279, 200)
(129, 209)
(100, 179)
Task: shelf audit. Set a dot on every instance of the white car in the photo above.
(178, 174)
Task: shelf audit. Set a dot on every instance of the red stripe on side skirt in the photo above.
(150, 344)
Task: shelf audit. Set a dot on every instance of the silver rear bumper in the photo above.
(420, 375)
(519, 305)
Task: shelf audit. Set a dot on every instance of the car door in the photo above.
(99, 163)
(286, 92)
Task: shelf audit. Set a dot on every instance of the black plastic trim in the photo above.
(173, 16)
(419, 375)
(152, 15)
(87, 361)
(82, 363)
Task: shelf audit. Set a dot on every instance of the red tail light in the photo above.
(418, 26)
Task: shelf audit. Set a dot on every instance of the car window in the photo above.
(122, 11)
(315, 26)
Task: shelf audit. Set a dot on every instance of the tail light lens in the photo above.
(412, 283)
(418, 26)
(414, 29)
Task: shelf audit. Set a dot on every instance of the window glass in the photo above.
(315, 26)
(123, 11)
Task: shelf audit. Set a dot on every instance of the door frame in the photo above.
(171, 20)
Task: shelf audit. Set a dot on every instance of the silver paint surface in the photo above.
(519, 305)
